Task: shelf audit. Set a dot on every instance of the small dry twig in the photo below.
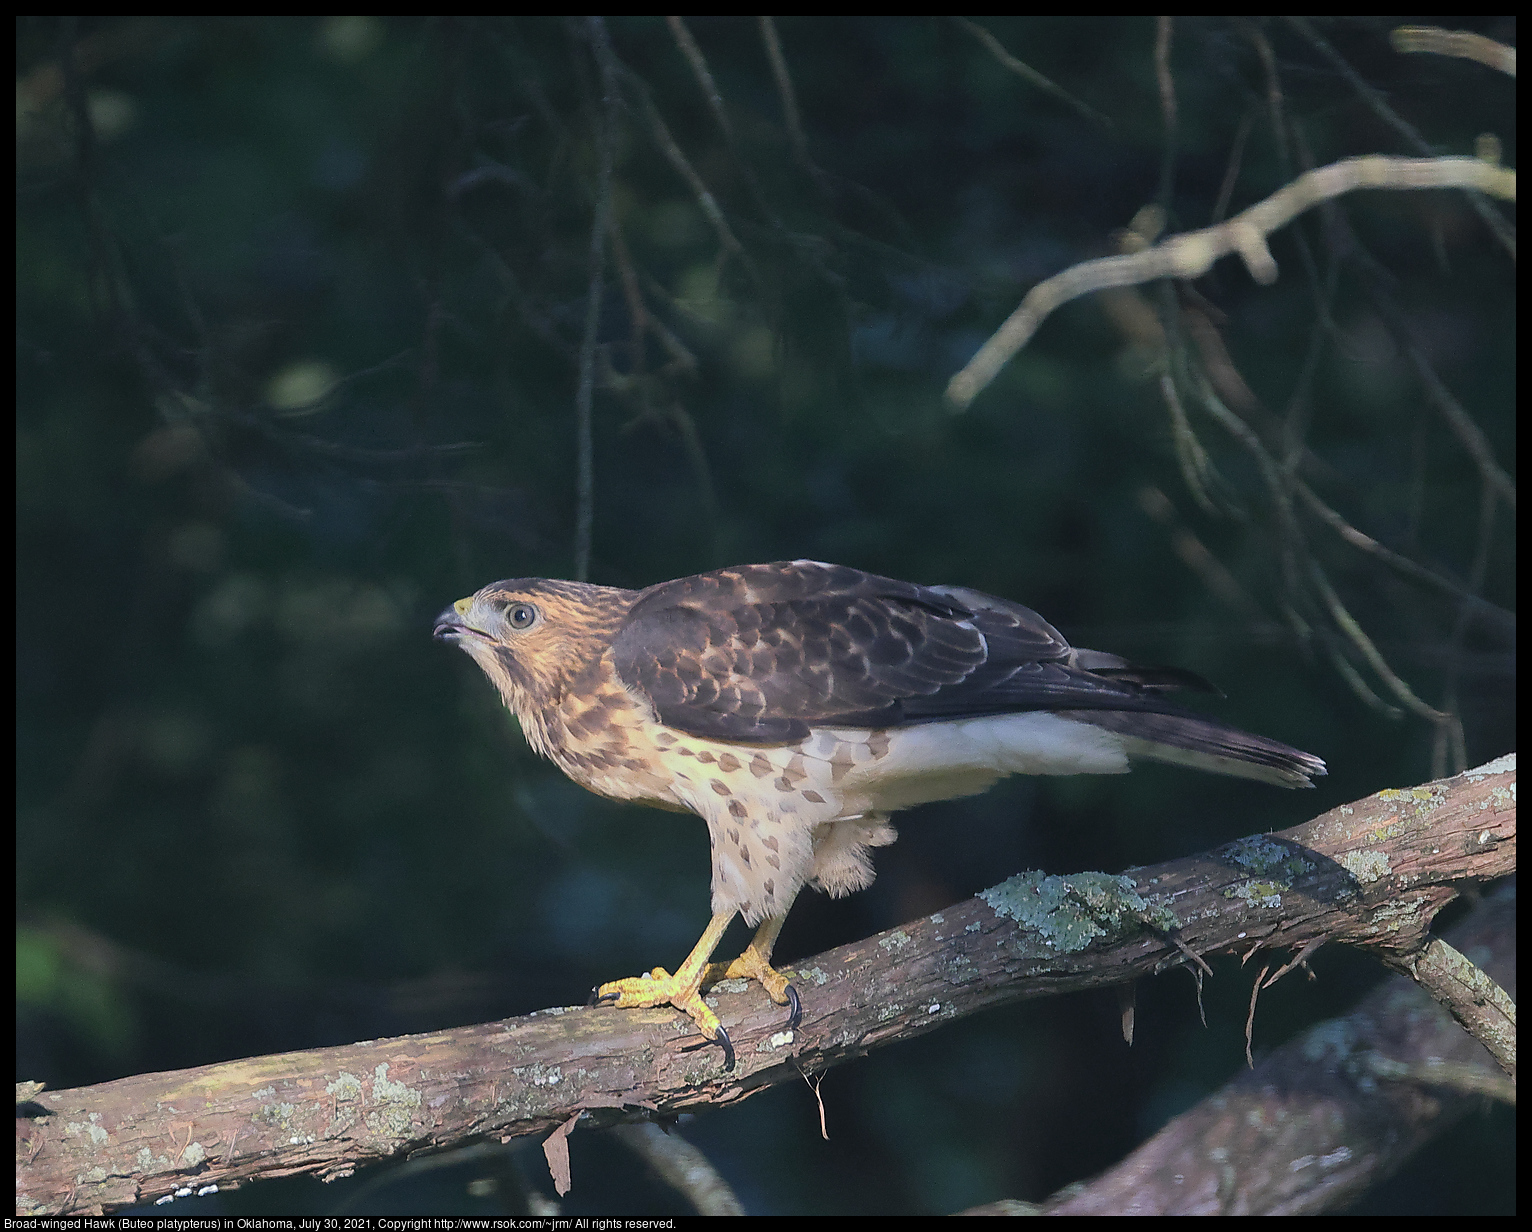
(1025, 71)
(1191, 254)
(1463, 44)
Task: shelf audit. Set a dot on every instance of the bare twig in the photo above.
(1191, 254)
(1276, 111)
(1255, 996)
(538, 322)
(1194, 554)
(1299, 959)
(1488, 504)
(1462, 424)
(1503, 621)
(821, 179)
(1196, 467)
(1164, 32)
(789, 101)
(1287, 135)
(1231, 169)
(638, 314)
(1292, 545)
(1460, 43)
(1379, 105)
(714, 98)
(1025, 71)
(1309, 586)
(1348, 625)
(660, 132)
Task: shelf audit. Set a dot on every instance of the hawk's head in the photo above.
(531, 636)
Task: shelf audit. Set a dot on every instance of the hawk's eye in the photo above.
(521, 615)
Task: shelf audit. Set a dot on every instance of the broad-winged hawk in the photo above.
(794, 706)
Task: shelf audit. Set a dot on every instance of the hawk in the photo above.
(795, 706)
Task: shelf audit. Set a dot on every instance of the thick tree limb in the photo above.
(1324, 1117)
(1372, 873)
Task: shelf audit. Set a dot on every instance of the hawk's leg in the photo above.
(755, 964)
(682, 990)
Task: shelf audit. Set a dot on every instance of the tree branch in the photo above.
(1372, 873)
(1192, 254)
(1461, 43)
(1322, 1118)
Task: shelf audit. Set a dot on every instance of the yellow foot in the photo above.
(659, 987)
(751, 966)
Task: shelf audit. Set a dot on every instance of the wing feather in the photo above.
(763, 653)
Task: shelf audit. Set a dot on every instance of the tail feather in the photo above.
(1203, 744)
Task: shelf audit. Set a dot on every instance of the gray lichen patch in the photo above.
(1424, 798)
(540, 1075)
(384, 1089)
(1264, 857)
(397, 1102)
(1365, 866)
(275, 1114)
(1399, 916)
(1257, 893)
(1069, 913)
(345, 1087)
(1501, 765)
(89, 1129)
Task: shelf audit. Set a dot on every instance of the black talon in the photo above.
(722, 1040)
(594, 999)
(795, 1015)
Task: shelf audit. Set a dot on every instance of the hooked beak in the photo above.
(451, 625)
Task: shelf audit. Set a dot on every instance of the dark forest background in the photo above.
(301, 306)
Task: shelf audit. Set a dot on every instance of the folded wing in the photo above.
(763, 653)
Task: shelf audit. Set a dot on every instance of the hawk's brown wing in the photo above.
(762, 653)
